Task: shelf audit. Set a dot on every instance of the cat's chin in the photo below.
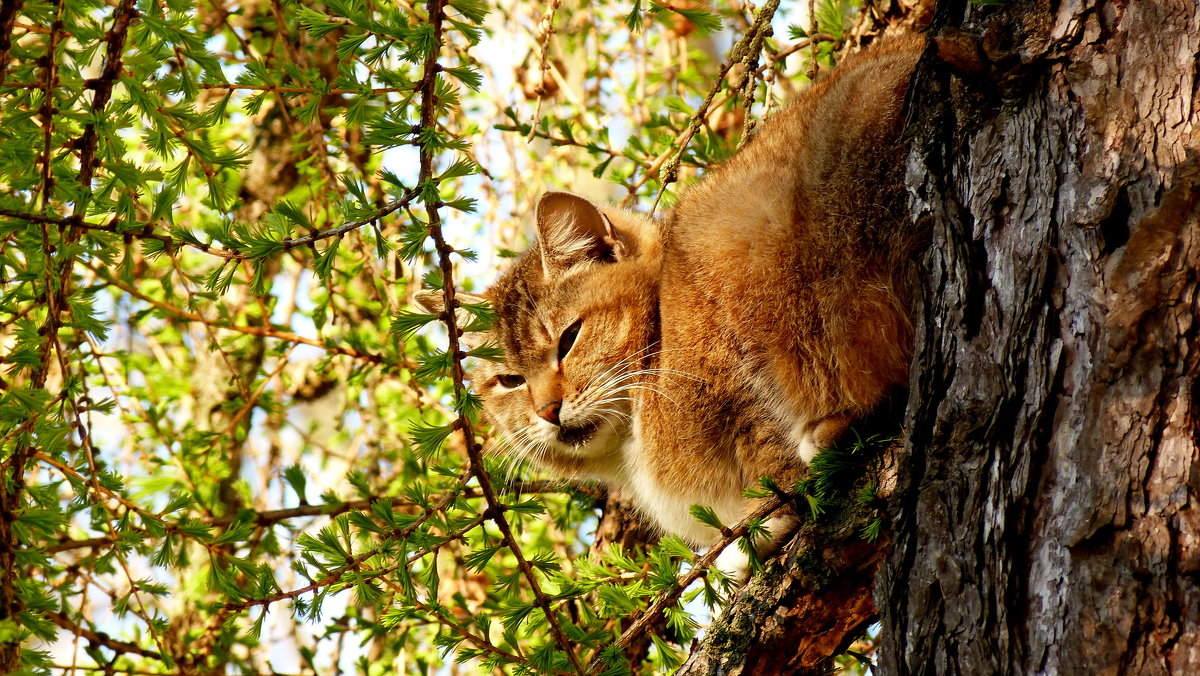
(590, 439)
(578, 436)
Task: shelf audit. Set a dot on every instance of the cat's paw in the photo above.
(734, 564)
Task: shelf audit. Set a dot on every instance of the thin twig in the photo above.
(762, 21)
(463, 632)
(812, 30)
(699, 569)
(299, 90)
(546, 26)
(427, 89)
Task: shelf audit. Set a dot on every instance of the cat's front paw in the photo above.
(734, 564)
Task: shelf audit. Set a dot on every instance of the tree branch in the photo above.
(271, 517)
(805, 607)
(100, 638)
(54, 297)
(427, 89)
(8, 17)
(264, 331)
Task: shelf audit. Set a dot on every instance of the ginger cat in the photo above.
(683, 359)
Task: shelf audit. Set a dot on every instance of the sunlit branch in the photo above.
(474, 451)
(699, 569)
(100, 638)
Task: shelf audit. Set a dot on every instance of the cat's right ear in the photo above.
(571, 230)
(434, 302)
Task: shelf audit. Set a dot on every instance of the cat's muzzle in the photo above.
(578, 436)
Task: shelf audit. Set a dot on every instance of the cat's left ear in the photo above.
(572, 230)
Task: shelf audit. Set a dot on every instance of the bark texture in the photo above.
(805, 607)
(1047, 518)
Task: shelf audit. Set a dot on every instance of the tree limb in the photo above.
(806, 606)
(99, 638)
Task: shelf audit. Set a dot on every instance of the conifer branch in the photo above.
(226, 253)
(745, 48)
(262, 331)
(58, 277)
(473, 638)
(335, 576)
(12, 487)
(100, 638)
(102, 88)
(279, 89)
(699, 569)
(49, 84)
(675, 148)
(427, 89)
(268, 518)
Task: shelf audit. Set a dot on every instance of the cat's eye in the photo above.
(510, 380)
(567, 341)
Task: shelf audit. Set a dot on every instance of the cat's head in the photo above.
(575, 315)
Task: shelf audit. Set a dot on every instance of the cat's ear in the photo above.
(572, 230)
(433, 301)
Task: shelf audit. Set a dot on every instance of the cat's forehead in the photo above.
(524, 302)
(521, 288)
(534, 305)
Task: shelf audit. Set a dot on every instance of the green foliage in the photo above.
(705, 515)
(838, 477)
(229, 442)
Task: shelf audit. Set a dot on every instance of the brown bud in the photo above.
(537, 83)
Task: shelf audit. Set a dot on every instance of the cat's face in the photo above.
(575, 318)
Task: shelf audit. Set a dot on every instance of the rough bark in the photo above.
(1046, 519)
(805, 607)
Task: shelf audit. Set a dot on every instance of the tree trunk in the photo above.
(1046, 517)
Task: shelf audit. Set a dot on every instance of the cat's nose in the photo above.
(549, 412)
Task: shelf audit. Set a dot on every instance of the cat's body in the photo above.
(682, 360)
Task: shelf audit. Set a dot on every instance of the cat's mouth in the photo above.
(578, 436)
